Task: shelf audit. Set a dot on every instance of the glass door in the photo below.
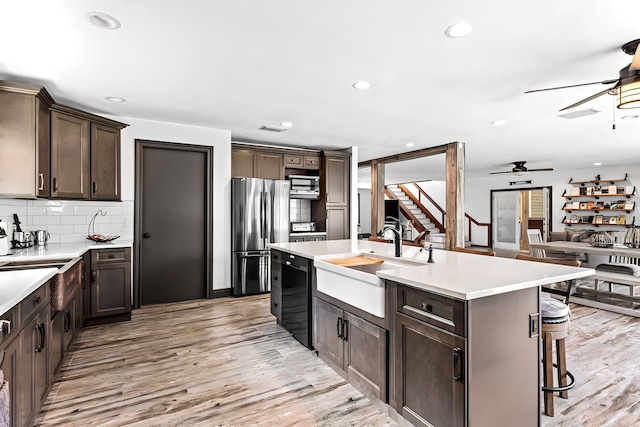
(506, 220)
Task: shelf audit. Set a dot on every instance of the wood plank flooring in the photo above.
(225, 362)
(221, 362)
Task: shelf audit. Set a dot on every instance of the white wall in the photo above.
(221, 141)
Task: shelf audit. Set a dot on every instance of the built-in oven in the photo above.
(304, 187)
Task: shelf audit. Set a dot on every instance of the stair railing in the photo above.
(407, 213)
(423, 197)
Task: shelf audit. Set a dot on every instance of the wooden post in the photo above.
(455, 195)
(377, 197)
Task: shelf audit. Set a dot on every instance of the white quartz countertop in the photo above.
(60, 250)
(458, 275)
(17, 285)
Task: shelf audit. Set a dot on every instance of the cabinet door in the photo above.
(9, 364)
(70, 167)
(44, 150)
(110, 289)
(105, 162)
(68, 325)
(293, 161)
(42, 374)
(17, 139)
(337, 223)
(365, 357)
(270, 166)
(276, 290)
(243, 163)
(57, 327)
(328, 323)
(336, 180)
(430, 388)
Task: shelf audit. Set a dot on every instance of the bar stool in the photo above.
(554, 316)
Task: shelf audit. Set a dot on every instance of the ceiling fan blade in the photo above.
(635, 64)
(540, 170)
(495, 173)
(589, 98)
(604, 82)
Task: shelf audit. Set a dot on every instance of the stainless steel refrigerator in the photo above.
(259, 216)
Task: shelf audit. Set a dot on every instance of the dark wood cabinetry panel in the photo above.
(336, 179)
(276, 285)
(270, 166)
(110, 285)
(43, 178)
(70, 156)
(243, 163)
(105, 162)
(428, 363)
(337, 223)
(24, 138)
(354, 346)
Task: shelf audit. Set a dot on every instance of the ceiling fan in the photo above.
(628, 82)
(519, 167)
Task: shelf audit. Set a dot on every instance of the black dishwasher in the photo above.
(296, 297)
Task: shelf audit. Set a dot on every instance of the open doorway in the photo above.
(515, 211)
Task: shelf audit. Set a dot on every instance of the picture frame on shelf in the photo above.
(591, 204)
(597, 219)
(613, 220)
(583, 205)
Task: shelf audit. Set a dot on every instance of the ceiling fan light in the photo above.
(629, 95)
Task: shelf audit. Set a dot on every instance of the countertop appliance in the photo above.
(259, 216)
(304, 186)
(301, 227)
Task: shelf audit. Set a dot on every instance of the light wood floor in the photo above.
(225, 362)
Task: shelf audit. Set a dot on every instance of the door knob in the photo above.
(146, 235)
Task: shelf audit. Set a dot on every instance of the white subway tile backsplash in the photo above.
(67, 221)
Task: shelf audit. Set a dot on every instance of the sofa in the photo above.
(568, 235)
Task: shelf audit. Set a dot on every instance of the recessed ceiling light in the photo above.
(597, 164)
(102, 20)
(460, 29)
(286, 124)
(629, 117)
(361, 85)
(115, 99)
(409, 144)
(499, 122)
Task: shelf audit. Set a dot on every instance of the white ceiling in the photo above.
(239, 64)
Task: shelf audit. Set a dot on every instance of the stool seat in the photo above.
(551, 308)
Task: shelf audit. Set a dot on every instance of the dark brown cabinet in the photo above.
(70, 156)
(453, 357)
(353, 345)
(302, 161)
(105, 162)
(25, 356)
(337, 222)
(109, 286)
(332, 209)
(24, 138)
(65, 324)
(85, 155)
(255, 163)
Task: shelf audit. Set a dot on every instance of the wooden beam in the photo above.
(455, 196)
(377, 197)
(411, 155)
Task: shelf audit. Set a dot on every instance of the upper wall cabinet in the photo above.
(252, 163)
(85, 155)
(24, 138)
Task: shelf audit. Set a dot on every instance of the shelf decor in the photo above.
(91, 232)
(601, 239)
(632, 238)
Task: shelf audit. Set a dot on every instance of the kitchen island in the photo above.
(457, 342)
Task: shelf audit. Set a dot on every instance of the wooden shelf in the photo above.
(597, 196)
(598, 181)
(600, 210)
(590, 224)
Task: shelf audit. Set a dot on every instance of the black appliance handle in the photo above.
(297, 267)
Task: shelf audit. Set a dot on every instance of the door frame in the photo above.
(140, 145)
(549, 204)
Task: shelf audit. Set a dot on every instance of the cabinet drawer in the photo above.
(294, 260)
(444, 312)
(110, 256)
(312, 162)
(293, 160)
(34, 302)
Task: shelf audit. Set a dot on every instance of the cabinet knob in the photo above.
(110, 256)
(37, 300)
(146, 235)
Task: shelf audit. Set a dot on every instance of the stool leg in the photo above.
(547, 377)
(562, 367)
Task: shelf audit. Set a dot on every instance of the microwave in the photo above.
(304, 187)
